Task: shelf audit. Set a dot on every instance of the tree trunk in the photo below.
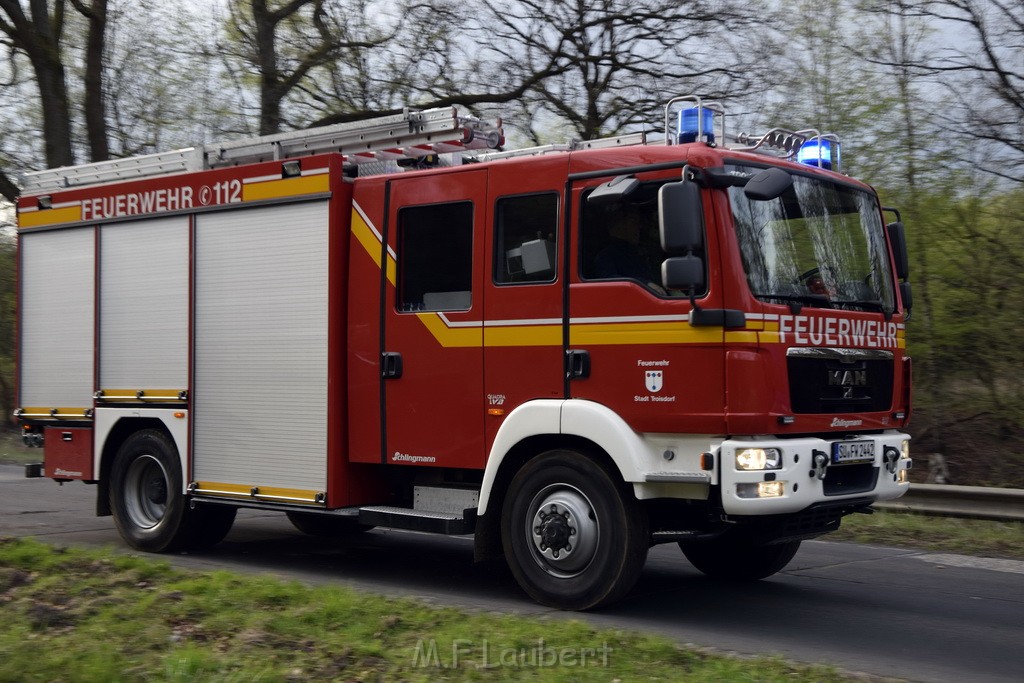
(95, 100)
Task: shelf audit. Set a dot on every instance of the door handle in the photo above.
(577, 364)
(391, 365)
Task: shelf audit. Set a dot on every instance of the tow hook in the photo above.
(891, 456)
(820, 461)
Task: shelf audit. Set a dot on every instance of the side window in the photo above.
(435, 257)
(620, 241)
(526, 231)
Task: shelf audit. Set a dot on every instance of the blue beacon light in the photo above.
(688, 127)
(817, 150)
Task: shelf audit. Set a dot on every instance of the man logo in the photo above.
(653, 379)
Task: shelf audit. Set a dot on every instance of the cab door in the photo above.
(432, 360)
(524, 308)
(631, 345)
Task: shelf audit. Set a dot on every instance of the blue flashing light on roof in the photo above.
(819, 152)
(689, 131)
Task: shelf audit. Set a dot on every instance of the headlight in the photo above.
(905, 449)
(751, 459)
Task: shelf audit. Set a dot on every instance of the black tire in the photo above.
(573, 534)
(326, 526)
(149, 509)
(210, 524)
(738, 558)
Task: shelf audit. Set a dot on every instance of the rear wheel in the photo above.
(573, 536)
(738, 558)
(146, 497)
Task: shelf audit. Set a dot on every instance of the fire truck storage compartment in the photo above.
(260, 358)
(144, 305)
(68, 452)
(56, 322)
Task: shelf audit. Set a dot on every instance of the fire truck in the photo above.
(571, 352)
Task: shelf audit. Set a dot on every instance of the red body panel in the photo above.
(68, 452)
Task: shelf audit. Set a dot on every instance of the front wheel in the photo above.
(146, 498)
(574, 536)
(739, 558)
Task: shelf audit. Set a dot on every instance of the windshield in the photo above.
(819, 244)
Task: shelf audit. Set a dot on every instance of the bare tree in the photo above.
(988, 52)
(283, 42)
(619, 60)
(38, 35)
(584, 68)
(95, 12)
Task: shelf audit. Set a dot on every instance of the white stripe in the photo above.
(261, 178)
(369, 224)
(464, 323)
(630, 319)
(61, 205)
(277, 176)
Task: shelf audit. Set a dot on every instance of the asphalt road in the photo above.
(883, 611)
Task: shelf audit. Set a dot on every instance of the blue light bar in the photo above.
(688, 128)
(818, 153)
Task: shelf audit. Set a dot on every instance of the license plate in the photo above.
(846, 452)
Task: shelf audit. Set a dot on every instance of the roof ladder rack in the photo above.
(410, 135)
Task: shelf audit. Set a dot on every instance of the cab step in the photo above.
(429, 521)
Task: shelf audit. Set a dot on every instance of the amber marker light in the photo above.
(496, 412)
(179, 415)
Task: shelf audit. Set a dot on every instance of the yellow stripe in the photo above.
(243, 490)
(451, 337)
(746, 337)
(35, 219)
(148, 394)
(642, 333)
(370, 242)
(286, 187)
(61, 414)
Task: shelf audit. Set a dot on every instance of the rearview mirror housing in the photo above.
(680, 217)
(898, 240)
(683, 272)
(615, 190)
(768, 184)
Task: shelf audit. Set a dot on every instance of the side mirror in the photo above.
(680, 217)
(768, 184)
(683, 272)
(898, 240)
(907, 297)
(615, 190)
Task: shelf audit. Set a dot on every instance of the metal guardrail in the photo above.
(969, 502)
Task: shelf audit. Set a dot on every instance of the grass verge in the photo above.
(904, 530)
(78, 615)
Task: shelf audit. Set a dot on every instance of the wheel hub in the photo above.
(563, 530)
(156, 490)
(554, 530)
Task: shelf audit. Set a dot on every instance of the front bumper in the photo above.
(808, 476)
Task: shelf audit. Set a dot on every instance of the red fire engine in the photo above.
(571, 352)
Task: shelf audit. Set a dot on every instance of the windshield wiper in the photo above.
(873, 304)
(797, 301)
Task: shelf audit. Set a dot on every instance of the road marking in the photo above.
(991, 563)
